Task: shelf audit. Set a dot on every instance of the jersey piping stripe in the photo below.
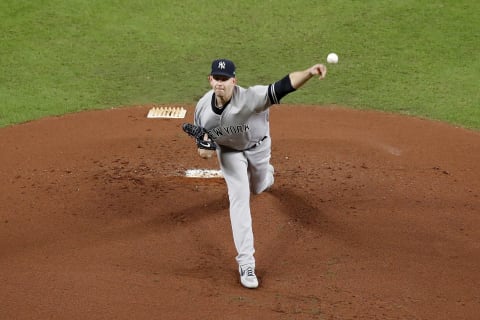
(272, 94)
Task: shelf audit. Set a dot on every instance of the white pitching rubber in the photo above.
(203, 173)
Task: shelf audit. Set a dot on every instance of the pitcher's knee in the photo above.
(265, 186)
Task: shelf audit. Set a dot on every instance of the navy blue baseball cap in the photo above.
(223, 67)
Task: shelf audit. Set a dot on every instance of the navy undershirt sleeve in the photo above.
(279, 89)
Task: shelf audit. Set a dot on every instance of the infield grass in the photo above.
(412, 57)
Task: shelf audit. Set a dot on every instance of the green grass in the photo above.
(413, 57)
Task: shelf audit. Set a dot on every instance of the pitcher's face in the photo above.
(223, 86)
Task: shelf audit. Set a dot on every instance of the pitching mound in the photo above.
(373, 216)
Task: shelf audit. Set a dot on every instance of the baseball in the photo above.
(332, 58)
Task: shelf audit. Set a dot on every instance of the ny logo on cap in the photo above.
(221, 65)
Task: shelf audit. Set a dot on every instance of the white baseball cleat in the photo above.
(247, 276)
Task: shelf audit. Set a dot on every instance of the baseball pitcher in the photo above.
(233, 122)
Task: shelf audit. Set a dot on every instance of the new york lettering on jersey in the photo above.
(228, 130)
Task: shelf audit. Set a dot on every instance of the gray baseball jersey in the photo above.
(242, 124)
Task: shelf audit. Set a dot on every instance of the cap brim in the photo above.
(217, 73)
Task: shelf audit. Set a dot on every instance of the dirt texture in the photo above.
(372, 216)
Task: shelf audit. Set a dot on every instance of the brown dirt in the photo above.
(373, 216)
